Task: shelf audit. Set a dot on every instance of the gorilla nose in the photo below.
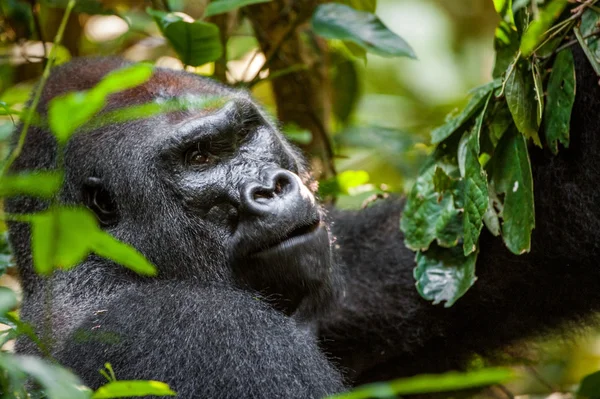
(282, 190)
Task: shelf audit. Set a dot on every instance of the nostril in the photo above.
(282, 183)
(262, 194)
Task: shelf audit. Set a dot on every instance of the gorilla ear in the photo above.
(99, 200)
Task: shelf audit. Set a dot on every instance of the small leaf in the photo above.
(537, 30)
(125, 389)
(520, 94)
(512, 176)
(43, 184)
(477, 101)
(338, 21)
(590, 386)
(222, 6)
(297, 134)
(561, 97)
(124, 254)
(444, 274)
(8, 300)
(196, 43)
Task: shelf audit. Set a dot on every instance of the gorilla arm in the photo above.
(383, 329)
(205, 341)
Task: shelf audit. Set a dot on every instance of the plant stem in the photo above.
(38, 93)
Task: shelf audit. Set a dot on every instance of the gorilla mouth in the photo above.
(297, 236)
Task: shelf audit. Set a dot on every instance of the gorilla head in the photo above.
(220, 193)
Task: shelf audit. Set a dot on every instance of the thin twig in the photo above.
(571, 43)
(38, 93)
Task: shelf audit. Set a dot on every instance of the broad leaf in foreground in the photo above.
(559, 104)
(43, 184)
(338, 21)
(520, 97)
(512, 176)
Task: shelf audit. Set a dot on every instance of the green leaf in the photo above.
(426, 383)
(6, 259)
(221, 6)
(427, 217)
(520, 94)
(506, 41)
(536, 32)
(590, 386)
(70, 111)
(501, 120)
(444, 274)
(590, 23)
(477, 101)
(561, 97)
(591, 56)
(345, 87)
(512, 176)
(62, 237)
(125, 389)
(361, 5)
(442, 182)
(91, 7)
(56, 382)
(43, 184)
(491, 219)
(475, 190)
(196, 43)
(338, 21)
(8, 300)
(297, 134)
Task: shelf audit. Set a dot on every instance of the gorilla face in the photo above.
(225, 192)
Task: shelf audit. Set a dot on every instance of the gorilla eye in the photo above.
(197, 157)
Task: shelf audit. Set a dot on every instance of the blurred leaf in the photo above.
(124, 389)
(196, 43)
(91, 7)
(338, 21)
(561, 97)
(361, 5)
(350, 179)
(221, 6)
(444, 274)
(536, 32)
(425, 383)
(297, 134)
(519, 91)
(475, 190)
(345, 85)
(501, 120)
(63, 237)
(82, 106)
(477, 101)
(6, 259)
(56, 382)
(512, 176)
(44, 184)
(8, 300)
(590, 386)
(506, 41)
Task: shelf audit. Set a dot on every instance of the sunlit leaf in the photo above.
(427, 383)
(196, 43)
(338, 21)
(221, 6)
(520, 97)
(42, 184)
(70, 111)
(536, 31)
(477, 101)
(506, 41)
(444, 274)
(561, 97)
(62, 237)
(125, 389)
(512, 176)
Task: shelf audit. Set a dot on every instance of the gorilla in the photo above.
(261, 291)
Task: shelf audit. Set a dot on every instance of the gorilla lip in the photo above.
(298, 236)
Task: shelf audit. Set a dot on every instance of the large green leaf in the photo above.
(42, 184)
(196, 43)
(520, 97)
(63, 237)
(561, 97)
(536, 32)
(72, 110)
(338, 21)
(6, 259)
(126, 389)
(512, 176)
(478, 99)
(590, 386)
(221, 6)
(444, 274)
(475, 190)
(426, 383)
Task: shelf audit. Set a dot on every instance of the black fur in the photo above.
(216, 322)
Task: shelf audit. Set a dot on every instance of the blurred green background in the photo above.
(394, 104)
